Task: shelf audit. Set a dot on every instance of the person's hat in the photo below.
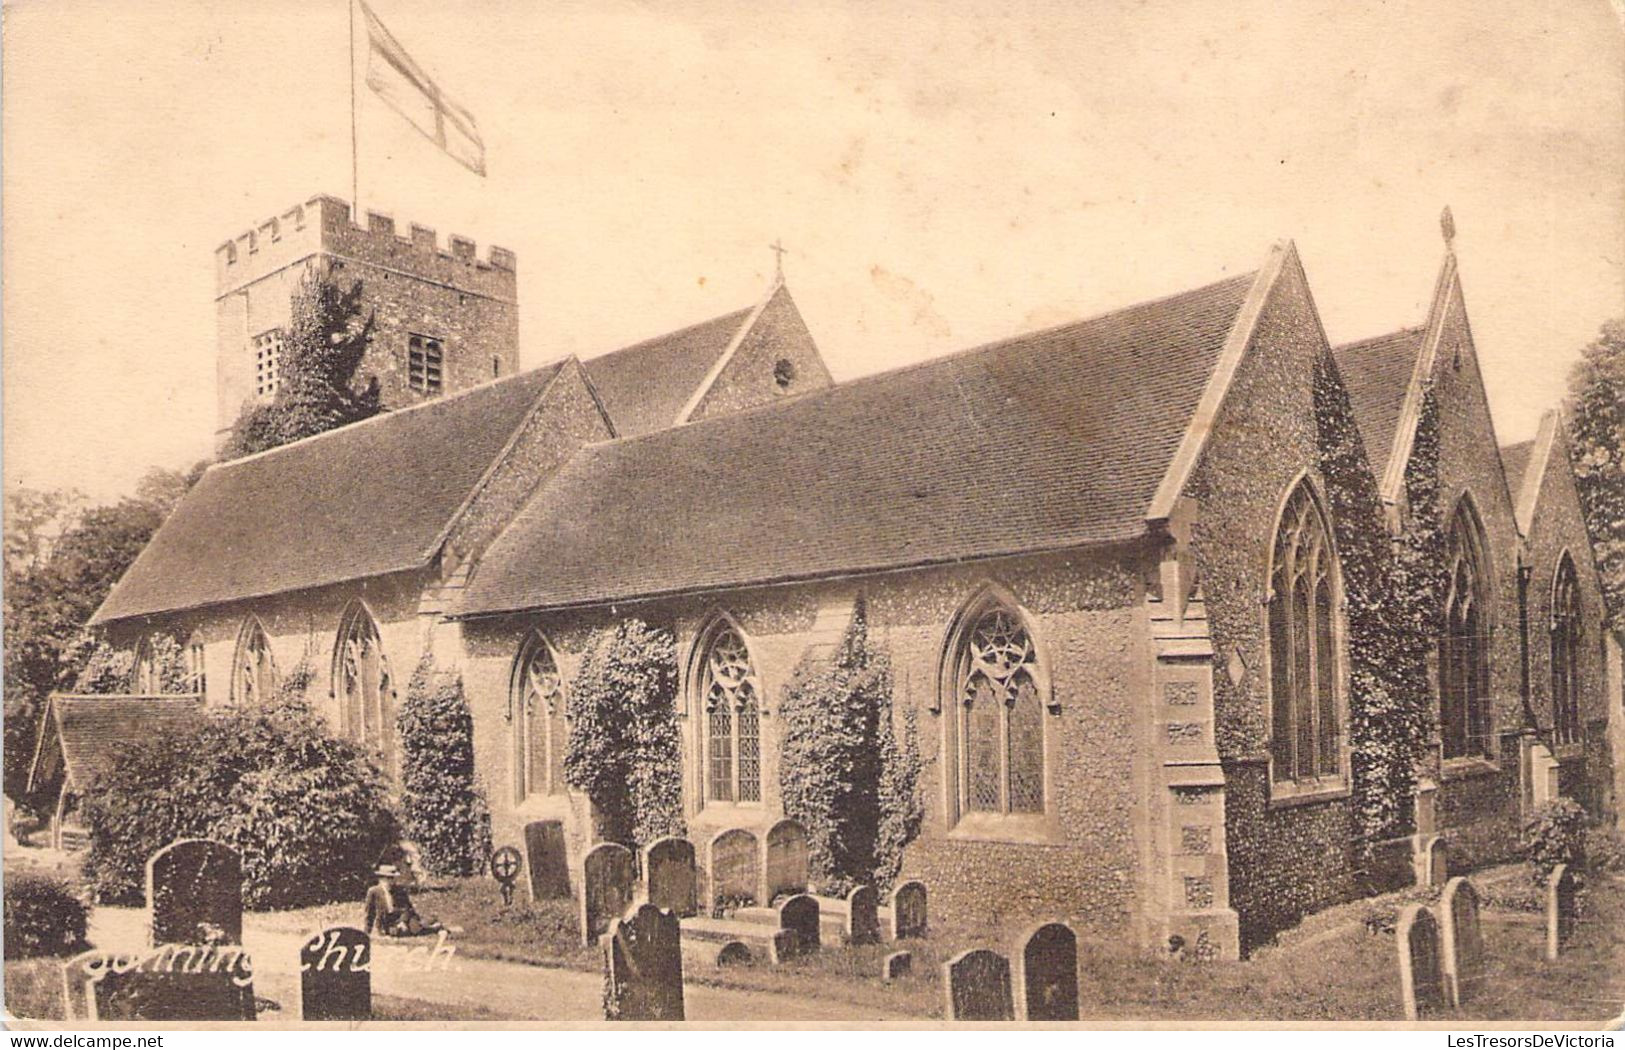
(388, 871)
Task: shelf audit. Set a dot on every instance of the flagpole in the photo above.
(355, 177)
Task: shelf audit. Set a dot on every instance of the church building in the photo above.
(1106, 559)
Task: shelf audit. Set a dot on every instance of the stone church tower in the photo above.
(446, 320)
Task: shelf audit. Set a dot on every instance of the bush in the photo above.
(442, 806)
(43, 917)
(623, 749)
(1605, 850)
(106, 670)
(1554, 835)
(308, 812)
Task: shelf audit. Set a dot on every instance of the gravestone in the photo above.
(1435, 862)
(977, 986)
(734, 953)
(799, 914)
(335, 975)
(547, 860)
(668, 867)
(172, 982)
(195, 893)
(1049, 974)
(735, 862)
(1562, 910)
(896, 965)
(608, 881)
(505, 865)
(1461, 942)
(784, 944)
(1421, 975)
(863, 916)
(908, 910)
(785, 860)
(643, 967)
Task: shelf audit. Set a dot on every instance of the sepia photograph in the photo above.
(719, 515)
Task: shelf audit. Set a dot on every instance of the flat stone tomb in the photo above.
(1047, 971)
(976, 984)
(908, 910)
(335, 975)
(608, 883)
(670, 876)
(173, 982)
(546, 860)
(1562, 910)
(643, 967)
(1421, 973)
(195, 893)
(784, 860)
(1462, 942)
(735, 861)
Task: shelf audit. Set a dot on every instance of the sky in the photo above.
(942, 175)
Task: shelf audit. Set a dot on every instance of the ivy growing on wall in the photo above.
(443, 808)
(105, 669)
(624, 748)
(1391, 586)
(842, 772)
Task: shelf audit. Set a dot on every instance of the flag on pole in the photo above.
(409, 91)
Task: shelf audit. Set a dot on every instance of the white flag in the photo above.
(409, 91)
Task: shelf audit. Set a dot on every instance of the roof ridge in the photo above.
(1352, 344)
(661, 337)
(393, 413)
(914, 366)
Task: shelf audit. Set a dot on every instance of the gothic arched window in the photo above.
(197, 680)
(1306, 730)
(144, 677)
(536, 709)
(1464, 640)
(253, 668)
(729, 694)
(1566, 631)
(997, 710)
(362, 686)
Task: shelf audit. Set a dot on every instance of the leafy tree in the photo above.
(623, 749)
(1596, 410)
(326, 340)
(842, 773)
(443, 809)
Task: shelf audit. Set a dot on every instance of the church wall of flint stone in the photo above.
(1093, 602)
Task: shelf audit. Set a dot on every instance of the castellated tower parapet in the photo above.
(446, 319)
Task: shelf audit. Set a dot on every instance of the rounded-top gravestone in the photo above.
(862, 916)
(1465, 965)
(1421, 974)
(668, 869)
(786, 860)
(643, 967)
(908, 910)
(977, 986)
(195, 893)
(1049, 973)
(735, 866)
(799, 915)
(335, 975)
(608, 883)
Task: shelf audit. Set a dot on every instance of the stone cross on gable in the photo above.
(778, 249)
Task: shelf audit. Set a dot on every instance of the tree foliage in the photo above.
(442, 807)
(322, 350)
(842, 772)
(624, 748)
(1596, 411)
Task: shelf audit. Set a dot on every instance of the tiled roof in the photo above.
(89, 729)
(1047, 440)
(644, 386)
(364, 500)
(1377, 373)
(1515, 461)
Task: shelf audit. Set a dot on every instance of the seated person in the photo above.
(389, 907)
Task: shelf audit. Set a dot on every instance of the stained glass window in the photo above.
(1464, 672)
(1566, 630)
(728, 690)
(1002, 716)
(1306, 734)
(540, 730)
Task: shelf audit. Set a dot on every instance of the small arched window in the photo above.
(1566, 634)
(197, 679)
(1464, 640)
(730, 696)
(997, 709)
(536, 709)
(362, 685)
(253, 667)
(1306, 730)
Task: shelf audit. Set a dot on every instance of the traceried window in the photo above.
(1306, 731)
(999, 714)
(253, 668)
(539, 728)
(1464, 641)
(362, 685)
(1566, 632)
(197, 680)
(268, 363)
(729, 695)
(424, 362)
(144, 677)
